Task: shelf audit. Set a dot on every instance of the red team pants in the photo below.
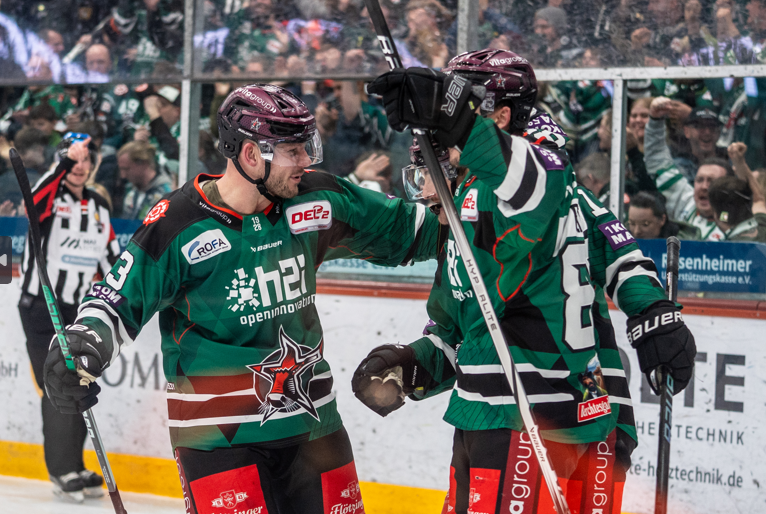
(495, 471)
(311, 477)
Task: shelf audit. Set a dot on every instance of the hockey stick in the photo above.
(664, 381)
(55, 313)
(477, 283)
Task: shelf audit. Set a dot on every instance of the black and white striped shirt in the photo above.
(77, 238)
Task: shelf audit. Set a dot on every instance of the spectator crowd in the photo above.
(695, 149)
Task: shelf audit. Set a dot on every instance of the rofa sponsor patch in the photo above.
(309, 216)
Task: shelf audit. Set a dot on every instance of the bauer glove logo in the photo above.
(454, 92)
(637, 333)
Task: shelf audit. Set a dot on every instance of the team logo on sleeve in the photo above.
(281, 381)
(206, 245)
(309, 216)
(469, 210)
(157, 212)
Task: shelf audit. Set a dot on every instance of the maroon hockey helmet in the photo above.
(268, 115)
(414, 175)
(507, 76)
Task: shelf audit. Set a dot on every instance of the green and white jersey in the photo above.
(242, 344)
(678, 193)
(547, 251)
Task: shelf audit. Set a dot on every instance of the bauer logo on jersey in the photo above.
(594, 408)
(309, 216)
(469, 211)
(616, 233)
(206, 245)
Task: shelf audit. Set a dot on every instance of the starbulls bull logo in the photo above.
(278, 380)
(229, 499)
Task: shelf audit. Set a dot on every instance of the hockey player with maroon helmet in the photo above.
(511, 94)
(229, 263)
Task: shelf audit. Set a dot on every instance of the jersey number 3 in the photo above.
(116, 279)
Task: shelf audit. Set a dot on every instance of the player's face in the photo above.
(430, 195)
(705, 176)
(284, 178)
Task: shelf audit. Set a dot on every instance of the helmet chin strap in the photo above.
(259, 183)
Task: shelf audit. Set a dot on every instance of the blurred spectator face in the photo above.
(545, 30)
(706, 174)
(665, 12)
(43, 125)
(643, 224)
(38, 68)
(639, 115)
(254, 67)
(97, 59)
(137, 173)
(54, 41)
(591, 59)
(419, 19)
(329, 58)
(702, 137)
(33, 157)
(260, 8)
(169, 113)
(756, 16)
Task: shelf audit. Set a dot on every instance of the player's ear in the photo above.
(250, 154)
(505, 116)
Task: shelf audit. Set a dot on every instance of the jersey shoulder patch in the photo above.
(318, 181)
(178, 213)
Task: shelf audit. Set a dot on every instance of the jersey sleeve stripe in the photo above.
(448, 351)
(638, 271)
(520, 150)
(101, 310)
(614, 268)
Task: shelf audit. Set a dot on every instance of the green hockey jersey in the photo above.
(547, 251)
(242, 344)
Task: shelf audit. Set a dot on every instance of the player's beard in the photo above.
(282, 185)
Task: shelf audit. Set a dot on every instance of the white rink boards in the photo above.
(718, 434)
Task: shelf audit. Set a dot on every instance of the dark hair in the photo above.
(718, 161)
(28, 137)
(93, 128)
(732, 196)
(646, 200)
(44, 111)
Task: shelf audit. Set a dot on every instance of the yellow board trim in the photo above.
(160, 476)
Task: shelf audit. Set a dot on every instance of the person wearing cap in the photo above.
(164, 112)
(557, 47)
(78, 242)
(229, 263)
(684, 201)
(701, 128)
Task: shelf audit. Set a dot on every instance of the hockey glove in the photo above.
(386, 376)
(428, 99)
(661, 338)
(69, 391)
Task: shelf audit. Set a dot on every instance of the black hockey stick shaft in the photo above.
(477, 283)
(35, 246)
(664, 382)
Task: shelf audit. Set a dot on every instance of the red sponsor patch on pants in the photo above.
(482, 490)
(594, 408)
(235, 490)
(340, 491)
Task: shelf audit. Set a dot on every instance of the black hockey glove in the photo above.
(73, 392)
(386, 376)
(661, 338)
(428, 99)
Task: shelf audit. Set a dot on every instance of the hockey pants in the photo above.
(496, 471)
(311, 477)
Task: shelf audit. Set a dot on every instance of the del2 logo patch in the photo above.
(309, 216)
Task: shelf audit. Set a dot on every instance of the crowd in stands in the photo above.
(695, 149)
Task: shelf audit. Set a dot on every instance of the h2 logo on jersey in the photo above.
(453, 257)
(309, 216)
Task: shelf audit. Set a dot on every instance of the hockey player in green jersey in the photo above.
(532, 234)
(230, 265)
